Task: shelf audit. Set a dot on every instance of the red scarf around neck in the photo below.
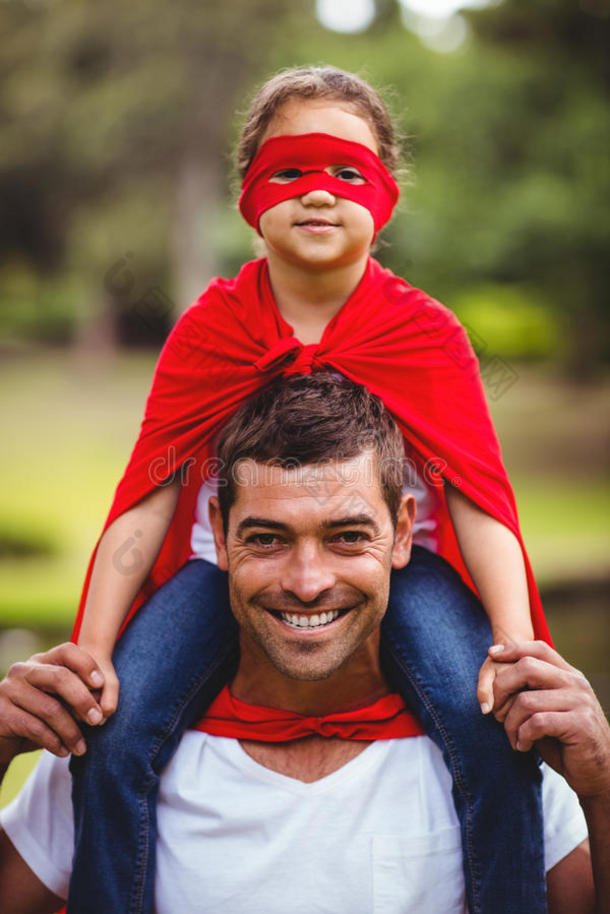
(386, 718)
(394, 339)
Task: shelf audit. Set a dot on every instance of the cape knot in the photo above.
(278, 353)
(323, 727)
(304, 362)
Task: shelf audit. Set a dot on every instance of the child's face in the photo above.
(318, 230)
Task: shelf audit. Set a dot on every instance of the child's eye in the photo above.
(348, 173)
(286, 175)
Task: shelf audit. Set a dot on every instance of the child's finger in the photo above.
(110, 696)
(485, 693)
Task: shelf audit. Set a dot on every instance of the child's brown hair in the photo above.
(317, 83)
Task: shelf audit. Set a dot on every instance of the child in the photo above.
(316, 156)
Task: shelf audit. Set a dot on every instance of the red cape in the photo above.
(388, 336)
(386, 718)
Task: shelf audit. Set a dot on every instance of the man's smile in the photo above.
(309, 622)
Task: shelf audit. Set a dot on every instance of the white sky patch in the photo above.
(436, 22)
(443, 9)
(441, 34)
(345, 15)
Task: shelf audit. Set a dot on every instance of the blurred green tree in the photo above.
(557, 159)
(114, 133)
(113, 103)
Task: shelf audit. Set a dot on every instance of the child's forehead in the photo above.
(301, 115)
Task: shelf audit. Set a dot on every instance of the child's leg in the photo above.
(435, 638)
(172, 660)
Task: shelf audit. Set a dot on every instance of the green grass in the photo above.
(69, 429)
(566, 527)
(17, 773)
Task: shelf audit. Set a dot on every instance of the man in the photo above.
(314, 823)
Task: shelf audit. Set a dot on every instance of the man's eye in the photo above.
(264, 540)
(348, 173)
(351, 538)
(286, 175)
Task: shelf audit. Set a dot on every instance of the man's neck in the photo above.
(309, 299)
(306, 760)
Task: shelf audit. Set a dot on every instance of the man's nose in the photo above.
(318, 197)
(306, 574)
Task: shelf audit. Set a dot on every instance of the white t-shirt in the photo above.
(378, 836)
(425, 528)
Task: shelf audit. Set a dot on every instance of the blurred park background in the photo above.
(117, 200)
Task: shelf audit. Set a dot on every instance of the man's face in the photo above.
(309, 553)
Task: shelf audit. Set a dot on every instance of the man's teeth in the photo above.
(310, 621)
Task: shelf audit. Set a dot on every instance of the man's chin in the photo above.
(305, 659)
(302, 672)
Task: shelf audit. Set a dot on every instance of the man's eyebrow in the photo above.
(353, 520)
(349, 520)
(252, 521)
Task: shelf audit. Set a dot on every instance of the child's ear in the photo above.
(219, 533)
(403, 536)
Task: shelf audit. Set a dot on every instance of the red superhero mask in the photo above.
(307, 156)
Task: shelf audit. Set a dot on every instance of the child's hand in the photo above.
(485, 687)
(491, 665)
(108, 695)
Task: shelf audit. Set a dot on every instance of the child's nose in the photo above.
(318, 198)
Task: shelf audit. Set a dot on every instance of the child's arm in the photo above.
(492, 554)
(125, 555)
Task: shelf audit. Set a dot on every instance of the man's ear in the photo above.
(219, 533)
(403, 537)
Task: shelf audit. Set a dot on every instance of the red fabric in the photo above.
(311, 153)
(386, 718)
(389, 336)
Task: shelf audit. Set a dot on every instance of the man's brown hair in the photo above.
(310, 419)
(328, 83)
